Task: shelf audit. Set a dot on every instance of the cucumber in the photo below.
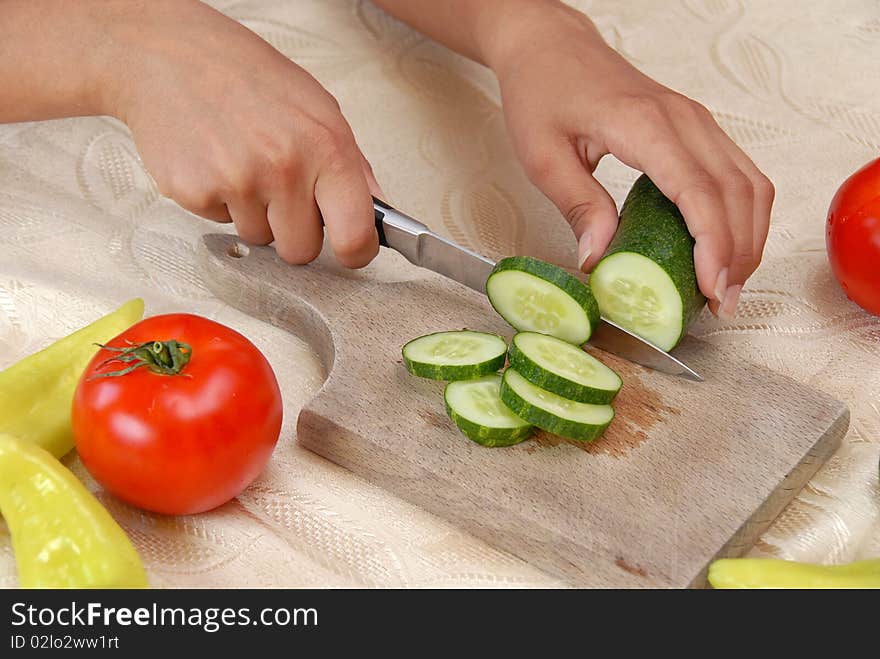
(646, 281)
(555, 414)
(563, 369)
(475, 407)
(534, 296)
(455, 355)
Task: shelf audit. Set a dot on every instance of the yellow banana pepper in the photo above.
(62, 536)
(775, 573)
(36, 393)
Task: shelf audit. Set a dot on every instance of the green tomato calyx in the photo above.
(161, 357)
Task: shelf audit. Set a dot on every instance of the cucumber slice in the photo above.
(646, 281)
(460, 355)
(563, 369)
(555, 414)
(534, 296)
(475, 407)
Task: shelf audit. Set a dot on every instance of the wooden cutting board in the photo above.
(687, 471)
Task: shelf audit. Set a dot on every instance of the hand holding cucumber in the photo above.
(569, 100)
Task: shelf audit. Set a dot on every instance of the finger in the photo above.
(251, 223)
(296, 224)
(739, 203)
(204, 203)
(656, 149)
(714, 306)
(372, 183)
(343, 196)
(738, 195)
(218, 213)
(561, 174)
(750, 222)
(764, 192)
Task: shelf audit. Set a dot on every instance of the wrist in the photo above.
(105, 63)
(59, 58)
(515, 29)
(131, 36)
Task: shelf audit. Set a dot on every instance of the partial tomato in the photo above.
(177, 415)
(853, 237)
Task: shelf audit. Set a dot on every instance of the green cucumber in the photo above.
(534, 296)
(646, 281)
(563, 369)
(460, 355)
(475, 407)
(555, 414)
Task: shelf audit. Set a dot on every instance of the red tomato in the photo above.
(853, 237)
(183, 443)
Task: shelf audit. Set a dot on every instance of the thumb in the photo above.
(585, 204)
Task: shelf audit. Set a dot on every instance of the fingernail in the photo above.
(727, 310)
(720, 289)
(584, 249)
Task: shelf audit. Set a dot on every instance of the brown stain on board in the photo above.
(629, 567)
(637, 407)
(436, 419)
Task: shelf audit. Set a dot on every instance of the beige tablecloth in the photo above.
(795, 83)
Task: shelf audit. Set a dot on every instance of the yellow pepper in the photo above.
(36, 393)
(775, 573)
(62, 536)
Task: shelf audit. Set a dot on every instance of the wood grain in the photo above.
(686, 473)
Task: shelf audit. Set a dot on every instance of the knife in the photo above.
(424, 248)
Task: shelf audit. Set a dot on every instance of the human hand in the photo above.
(234, 131)
(569, 100)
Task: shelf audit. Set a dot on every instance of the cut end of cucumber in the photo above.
(534, 296)
(636, 293)
(475, 406)
(459, 355)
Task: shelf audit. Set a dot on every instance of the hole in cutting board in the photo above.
(238, 250)
(261, 300)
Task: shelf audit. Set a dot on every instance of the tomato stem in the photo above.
(162, 357)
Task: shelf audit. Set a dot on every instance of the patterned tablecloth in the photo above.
(795, 83)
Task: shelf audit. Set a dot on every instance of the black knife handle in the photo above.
(379, 209)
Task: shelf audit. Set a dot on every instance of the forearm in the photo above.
(57, 57)
(486, 31)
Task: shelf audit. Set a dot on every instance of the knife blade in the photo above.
(424, 248)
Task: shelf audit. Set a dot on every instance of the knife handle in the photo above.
(380, 208)
(405, 231)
